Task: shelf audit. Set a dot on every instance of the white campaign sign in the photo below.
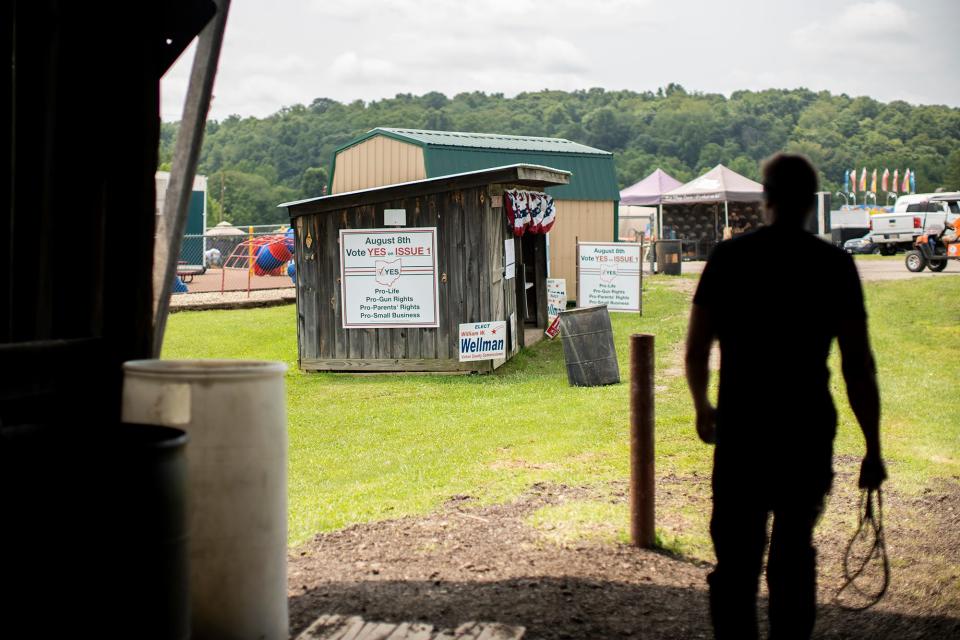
(509, 259)
(483, 341)
(388, 278)
(556, 297)
(610, 275)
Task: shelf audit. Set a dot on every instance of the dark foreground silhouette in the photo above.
(775, 299)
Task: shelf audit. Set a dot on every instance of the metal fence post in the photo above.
(250, 261)
(641, 441)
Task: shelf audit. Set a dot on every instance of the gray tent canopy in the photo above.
(650, 190)
(720, 184)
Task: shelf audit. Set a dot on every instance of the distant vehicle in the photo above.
(913, 216)
(932, 250)
(861, 245)
(918, 202)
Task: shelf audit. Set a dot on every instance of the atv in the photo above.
(932, 250)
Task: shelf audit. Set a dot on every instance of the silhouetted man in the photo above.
(775, 299)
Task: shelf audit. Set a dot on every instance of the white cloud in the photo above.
(293, 51)
(477, 15)
(274, 64)
(865, 28)
(350, 67)
(874, 20)
(503, 52)
(557, 54)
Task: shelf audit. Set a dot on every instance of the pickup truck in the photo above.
(913, 215)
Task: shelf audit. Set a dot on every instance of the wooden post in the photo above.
(576, 241)
(173, 222)
(641, 441)
(640, 292)
(660, 222)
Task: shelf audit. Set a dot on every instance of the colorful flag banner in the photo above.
(906, 181)
(863, 179)
(913, 182)
(873, 182)
(853, 180)
(846, 181)
(896, 180)
(885, 182)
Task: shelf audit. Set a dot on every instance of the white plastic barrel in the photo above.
(235, 414)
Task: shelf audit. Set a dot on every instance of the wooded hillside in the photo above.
(287, 155)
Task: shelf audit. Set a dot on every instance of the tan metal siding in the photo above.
(588, 220)
(376, 162)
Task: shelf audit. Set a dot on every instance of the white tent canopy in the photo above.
(225, 229)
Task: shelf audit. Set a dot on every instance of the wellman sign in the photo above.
(483, 341)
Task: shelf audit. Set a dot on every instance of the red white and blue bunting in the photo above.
(529, 211)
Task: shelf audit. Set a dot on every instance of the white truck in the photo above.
(913, 215)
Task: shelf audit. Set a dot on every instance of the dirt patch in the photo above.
(514, 463)
(686, 285)
(468, 563)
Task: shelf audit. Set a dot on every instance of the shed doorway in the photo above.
(528, 292)
(531, 292)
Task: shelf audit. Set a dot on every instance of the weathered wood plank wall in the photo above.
(470, 263)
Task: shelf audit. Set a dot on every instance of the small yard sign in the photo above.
(483, 341)
(556, 297)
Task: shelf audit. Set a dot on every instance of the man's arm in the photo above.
(700, 336)
(859, 372)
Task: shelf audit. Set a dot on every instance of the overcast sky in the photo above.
(281, 52)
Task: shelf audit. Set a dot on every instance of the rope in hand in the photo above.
(869, 522)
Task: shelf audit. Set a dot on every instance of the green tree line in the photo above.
(262, 162)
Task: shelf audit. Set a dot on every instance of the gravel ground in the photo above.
(232, 299)
(871, 269)
(893, 268)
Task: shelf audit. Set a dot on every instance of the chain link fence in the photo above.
(229, 259)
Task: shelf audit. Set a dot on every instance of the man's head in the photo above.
(789, 188)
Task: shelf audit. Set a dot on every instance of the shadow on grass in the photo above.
(562, 607)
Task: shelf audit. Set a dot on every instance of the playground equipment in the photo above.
(179, 286)
(260, 256)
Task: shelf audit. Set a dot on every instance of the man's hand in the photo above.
(700, 336)
(707, 424)
(872, 472)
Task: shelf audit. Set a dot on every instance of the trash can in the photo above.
(95, 530)
(669, 257)
(235, 414)
(588, 348)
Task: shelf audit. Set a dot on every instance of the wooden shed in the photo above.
(586, 207)
(386, 275)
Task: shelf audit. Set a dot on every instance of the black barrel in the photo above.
(94, 534)
(669, 256)
(588, 348)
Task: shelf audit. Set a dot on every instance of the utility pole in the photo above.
(223, 205)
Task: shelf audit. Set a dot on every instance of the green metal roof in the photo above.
(450, 152)
(491, 141)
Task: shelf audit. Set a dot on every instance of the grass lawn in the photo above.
(364, 448)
